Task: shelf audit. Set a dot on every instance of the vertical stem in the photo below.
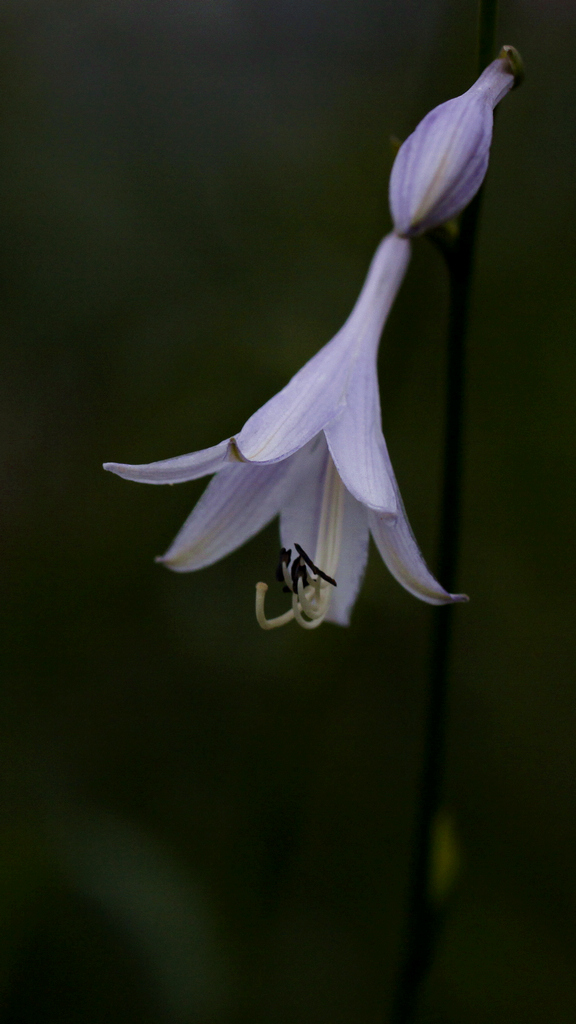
(487, 16)
(423, 915)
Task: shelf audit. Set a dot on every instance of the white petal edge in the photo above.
(401, 554)
(236, 505)
(180, 469)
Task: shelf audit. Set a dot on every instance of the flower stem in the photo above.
(487, 17)
(424, 916)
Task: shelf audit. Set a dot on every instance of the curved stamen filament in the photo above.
(308, 599)
(280, 620)
(286, 575)
(301, 603)
(314, 604)
(307, 623)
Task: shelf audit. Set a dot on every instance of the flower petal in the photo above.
(355, 437)
(300, 513)
(397, 545)
(179, 469)
(352, 565)
(358, 447)
(237, 503)
(300, 522)
(441, 166)
(317, 393)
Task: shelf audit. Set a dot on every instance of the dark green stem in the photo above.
(423, 915)
(487, 16)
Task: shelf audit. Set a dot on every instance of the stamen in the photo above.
(298, 573)
(287, 588)
(304, 579)
(307, 623)
(283, 563)
(306, 600)
(280, 620)
(314, 568)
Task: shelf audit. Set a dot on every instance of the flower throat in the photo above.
(310, 585)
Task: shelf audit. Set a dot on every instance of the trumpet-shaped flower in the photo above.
(315, 453)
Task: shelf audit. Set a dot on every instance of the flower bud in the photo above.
(441, 166)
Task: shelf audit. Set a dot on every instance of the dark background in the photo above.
(202, 822)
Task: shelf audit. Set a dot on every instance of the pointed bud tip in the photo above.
(515, 63)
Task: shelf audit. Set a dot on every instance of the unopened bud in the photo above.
(441, 166)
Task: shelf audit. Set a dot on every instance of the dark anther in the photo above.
(313, 567)
(298, 572)
(285, 556)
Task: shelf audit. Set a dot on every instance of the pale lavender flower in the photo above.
(315, 453)
(441, 166)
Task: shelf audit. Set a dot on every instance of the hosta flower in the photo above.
(441, 166)
(315, 453)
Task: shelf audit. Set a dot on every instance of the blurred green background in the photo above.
(202, 822)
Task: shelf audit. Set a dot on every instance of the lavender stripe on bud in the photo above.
(441, 166)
